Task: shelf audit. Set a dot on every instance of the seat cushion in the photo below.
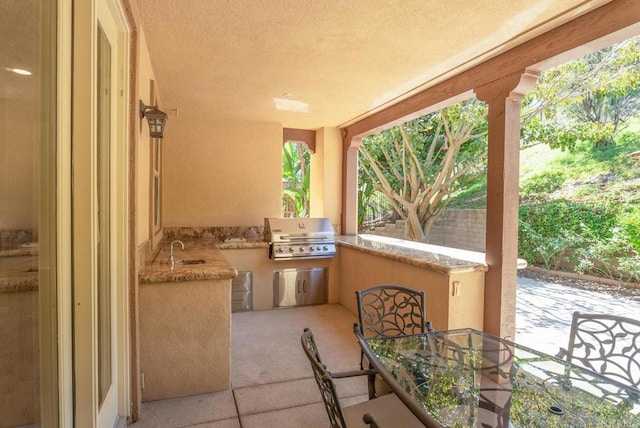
(388, 411)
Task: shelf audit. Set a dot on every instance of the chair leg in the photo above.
(429, 327)
(371, 383)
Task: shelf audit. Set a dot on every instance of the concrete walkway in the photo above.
(544, 311)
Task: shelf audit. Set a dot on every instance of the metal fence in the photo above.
(377, 210)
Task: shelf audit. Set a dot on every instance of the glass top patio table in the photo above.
(467, 378)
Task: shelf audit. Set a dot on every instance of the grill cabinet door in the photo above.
(295, 287)
(314, 289)
(285, 284)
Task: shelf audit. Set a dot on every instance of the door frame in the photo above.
(82, 227)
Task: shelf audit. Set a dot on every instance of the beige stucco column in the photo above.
(503, 99)
(326, 179)
(349, 217)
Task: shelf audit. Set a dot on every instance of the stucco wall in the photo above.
(326, 175)
(19, 368)
(220, 172)
(143, 160)
(229, 173)
(18, 137)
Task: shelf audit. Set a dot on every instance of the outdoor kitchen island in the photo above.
(185, 321)
(185, 312)
(452, 279)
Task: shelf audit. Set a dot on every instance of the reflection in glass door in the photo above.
(28, 288)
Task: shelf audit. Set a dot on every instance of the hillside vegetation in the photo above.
(579, 209)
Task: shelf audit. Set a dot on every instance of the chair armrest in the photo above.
(352, 373)
(368, 419)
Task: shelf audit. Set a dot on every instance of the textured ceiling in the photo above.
(19, 48)
(337, 60)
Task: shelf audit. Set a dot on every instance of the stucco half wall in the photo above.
(453, 299)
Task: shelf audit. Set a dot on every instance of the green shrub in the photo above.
(543, 183)
(551, 231)
(630, 223)
(611, 257)
(540, 250)
(594, 239)
(557, 215)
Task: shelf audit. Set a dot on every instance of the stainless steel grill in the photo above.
(299, 238)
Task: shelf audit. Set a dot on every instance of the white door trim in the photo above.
(87, 15)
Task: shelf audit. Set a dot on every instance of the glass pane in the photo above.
(156, 155)
(28, 358)
(156, 183)
(156, 201)
(104, 203)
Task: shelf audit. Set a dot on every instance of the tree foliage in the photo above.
(589, 99)
(418, 165)
(296, 175)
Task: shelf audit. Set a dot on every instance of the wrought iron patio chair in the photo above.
(606, 344)
(389, 411)
(390, 311)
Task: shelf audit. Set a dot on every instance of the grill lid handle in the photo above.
(303, 236)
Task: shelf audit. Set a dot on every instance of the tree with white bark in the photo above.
(420, 164)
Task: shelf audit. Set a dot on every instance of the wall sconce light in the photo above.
(156, 118)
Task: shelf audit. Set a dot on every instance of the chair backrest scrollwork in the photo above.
(391, 310)
(606, 344)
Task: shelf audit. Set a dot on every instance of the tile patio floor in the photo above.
(272, 383)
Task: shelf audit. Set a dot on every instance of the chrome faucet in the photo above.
(172, 261)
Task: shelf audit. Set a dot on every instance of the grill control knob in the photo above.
(291, 250)
(311, 248)
(301, 249)
(325, 248)
(281, 250)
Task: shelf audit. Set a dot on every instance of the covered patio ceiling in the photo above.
(327, 63)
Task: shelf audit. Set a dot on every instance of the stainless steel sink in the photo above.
(191, 262)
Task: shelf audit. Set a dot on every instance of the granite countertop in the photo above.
(434, 257)
(18, 271)
(216, 266)
(232, 244)
(25, 250)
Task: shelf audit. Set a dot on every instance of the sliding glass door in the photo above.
(28, 214)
